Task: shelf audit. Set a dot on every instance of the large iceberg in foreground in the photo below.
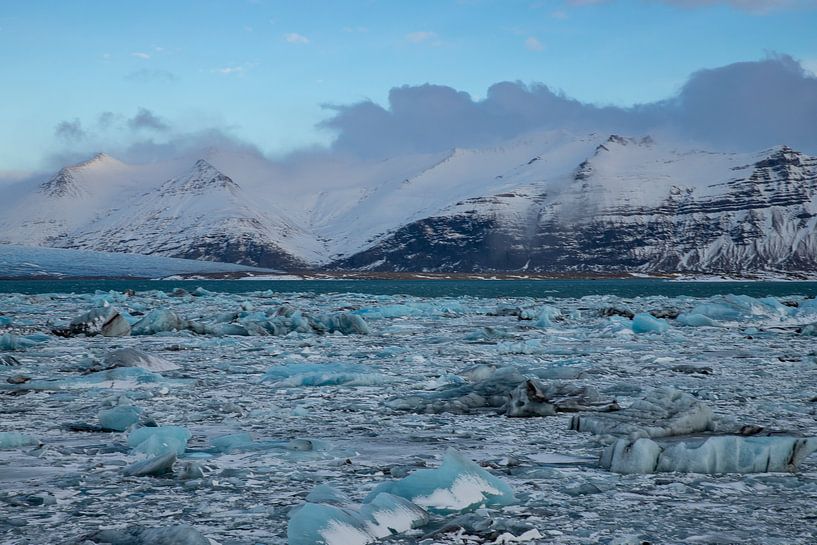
(324, 520)
(105, 321)
(662, 412)
(714, 454)
(457, 485)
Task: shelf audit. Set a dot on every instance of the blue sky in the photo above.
(261, 70)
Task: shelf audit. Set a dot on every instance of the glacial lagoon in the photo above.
(468, 412)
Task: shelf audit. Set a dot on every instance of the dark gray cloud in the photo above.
(739, 106)
(147, 75)
(147, 120)
(70, 131)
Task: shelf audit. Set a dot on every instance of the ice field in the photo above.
(195, 417)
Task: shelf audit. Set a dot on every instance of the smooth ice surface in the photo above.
(119, 418)
(645, 323)
(457, 485)
(717, 454)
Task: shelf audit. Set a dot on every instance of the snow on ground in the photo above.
(272, 416)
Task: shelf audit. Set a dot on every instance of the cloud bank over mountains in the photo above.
(740, 106)
(737, 107)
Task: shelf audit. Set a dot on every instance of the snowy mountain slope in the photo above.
(631, 205)
(201, 215)
(550, 201)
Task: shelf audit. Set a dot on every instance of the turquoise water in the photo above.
(432, 288)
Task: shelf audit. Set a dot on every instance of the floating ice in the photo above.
(119, 418)
(8, 360)
(161, 464)
(714, 454)
(292, 375)
(13, 439)
(106, 321)
(457, 485)
(156, 441)
(131, 357)
(327, 519)
(233, 442)
(161, 320)
(532, 398)
(646, 323)
(171, 535)
(12, 341)
(696, 320)
(662, 412)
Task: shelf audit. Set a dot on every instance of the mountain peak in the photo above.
(63, 184)
(202, 178)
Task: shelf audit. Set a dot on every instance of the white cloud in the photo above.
(534, 44)
(228, 70)
(140, 55)
(810, 65)
(420, 36)
(295, 38)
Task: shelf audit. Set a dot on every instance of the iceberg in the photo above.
(12, 341)
(646, 323)
(159, 440)
(696, 320)
(662, 412)
(713, 454)
(161, 320)
(327, 519)
(457, 485)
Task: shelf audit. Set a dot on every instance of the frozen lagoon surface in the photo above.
(250, 425)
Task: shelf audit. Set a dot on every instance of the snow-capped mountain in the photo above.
(546, 202)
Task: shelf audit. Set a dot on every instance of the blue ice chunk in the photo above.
(13, 439)
(119, 418)
(696, 320)
(330, 523)
(156, 441)
(646, 323)
(5, 321)
(717, 311)
(325, 374)
(345, 323)
(457, 485)
(542, 317)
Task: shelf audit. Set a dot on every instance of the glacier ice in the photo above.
(154, 441)
(709, 454)
(662, 412)
(696, 320)
(12, 341)
(457, 485)
(161, 320)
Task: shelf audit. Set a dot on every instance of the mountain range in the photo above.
(548, 202)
